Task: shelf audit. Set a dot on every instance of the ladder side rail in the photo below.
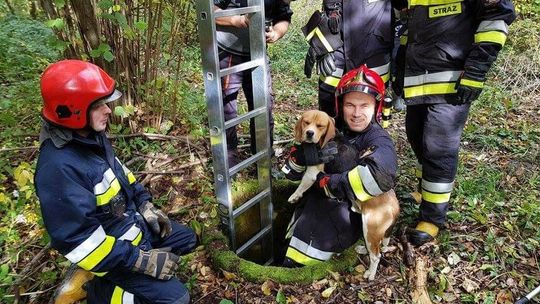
(214, 101)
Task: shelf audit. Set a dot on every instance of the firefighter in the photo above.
(97, 215)
(344, 36)
(448, 50)
(325, 222)
(233, 46)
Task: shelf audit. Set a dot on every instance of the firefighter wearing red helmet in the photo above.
(314, 238)
(97, 215)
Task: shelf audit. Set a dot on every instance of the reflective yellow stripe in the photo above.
(403, 40)
(431, 2)
(385, 124)
(321, 37)
(330, 80)
(430, 89)
(301, 258)
(357, 187)
(491, 36)
(104, 198)
(131, 177)
(137, 240)
(428, 228)
(117, 295)
(96, 256)
(385, 77)
(99, 274)
(436, 198)
(471, 83)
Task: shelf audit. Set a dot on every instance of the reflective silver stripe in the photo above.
(128, 298)
(310, 251)
(382, 69)
(86, 247)
(337, 73)
(103, 186)
(369, 182)
(296, 167)
(437, 187)
(131, 234)
(493, 25)
(448, 76)
(126, 170)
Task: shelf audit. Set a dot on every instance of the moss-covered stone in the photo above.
(223, 258)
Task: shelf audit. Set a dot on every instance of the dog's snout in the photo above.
(309, 133)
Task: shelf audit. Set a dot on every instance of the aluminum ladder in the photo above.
(223, 174)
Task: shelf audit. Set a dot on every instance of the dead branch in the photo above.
(408, 254)
(419, 293)
(177, 171)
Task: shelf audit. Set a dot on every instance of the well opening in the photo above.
(248, 265)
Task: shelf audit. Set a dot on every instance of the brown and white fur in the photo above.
(378, 214)
(313, 127)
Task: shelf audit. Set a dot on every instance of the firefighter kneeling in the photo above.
(324, 223)
(96, 213)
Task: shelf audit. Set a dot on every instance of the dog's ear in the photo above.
(298, 131)
(330, 132)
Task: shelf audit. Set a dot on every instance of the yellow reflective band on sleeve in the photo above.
(330, 80)
(490, 36)
(137, 240)
(96, 256)
(430, 89)
(385, 77)
(386, 111)
(436, 198)
(131, 177)
(403, 40)
(301, 258)
(431, 2)
(444, 10)
(471, 83)
(117, 295)
(317, 32)
(99, 274)
(356, 184)
(104, 198)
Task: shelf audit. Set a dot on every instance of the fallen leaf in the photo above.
(453, 259)
(228, 275)
(336, 276)
(267, 287)
(360, 268)
(328, 292)
(469, 286)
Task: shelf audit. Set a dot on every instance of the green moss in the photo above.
(223, 258)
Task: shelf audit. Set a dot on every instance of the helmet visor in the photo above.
(113, 97)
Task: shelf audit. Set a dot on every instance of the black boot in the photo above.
(423, 233)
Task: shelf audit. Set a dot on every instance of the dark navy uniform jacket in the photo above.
(89, 203)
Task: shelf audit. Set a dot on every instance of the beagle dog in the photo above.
(313, 127)
(378, 214)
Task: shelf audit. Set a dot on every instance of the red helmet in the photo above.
(70, 87)
(362, 80)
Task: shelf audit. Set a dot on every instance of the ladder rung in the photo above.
(247, 162)
(237, 11)
(254, 239)
(251, 202)
(238, 120)
(241, 67)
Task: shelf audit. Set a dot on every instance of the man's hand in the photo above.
(468, 90)
(276, 31)
(240, 21)
(156, 219)
(157, 263)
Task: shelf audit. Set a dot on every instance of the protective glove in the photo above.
(157, 263)
(156, 219)
(327, 153)
(309, 62)
(468, 90)
(326, 64)
(333, 9)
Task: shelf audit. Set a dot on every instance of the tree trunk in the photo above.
(51, 13)
(88, 27)
(10, 7)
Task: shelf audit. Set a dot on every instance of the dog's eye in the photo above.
(320, 126)
(305, 122)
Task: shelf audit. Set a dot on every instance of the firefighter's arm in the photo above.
(68, 207)
(374, 175)
(238, 21)
(295, 165)
(141, 195)
(277, 31)
(493, 17)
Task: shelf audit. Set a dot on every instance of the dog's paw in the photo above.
(294, 198)
(360, 249)
(368, 275)
(385, 249)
